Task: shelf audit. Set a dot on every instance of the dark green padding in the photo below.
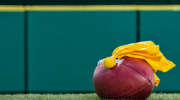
(11, 52)
(64, 47)
(163, 28)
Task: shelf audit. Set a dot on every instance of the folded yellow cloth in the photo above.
(147, 51)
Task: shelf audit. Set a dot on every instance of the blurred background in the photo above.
(54, 46)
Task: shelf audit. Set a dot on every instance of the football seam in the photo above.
(139, 73)
(124, 96)
(137, 89)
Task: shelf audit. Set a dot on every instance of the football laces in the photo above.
(118, 62)
(100, 62)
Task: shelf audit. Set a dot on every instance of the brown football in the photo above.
(132, 79)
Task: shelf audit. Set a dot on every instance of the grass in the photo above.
(87, 96)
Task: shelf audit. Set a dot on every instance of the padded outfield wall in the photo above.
(55, 49)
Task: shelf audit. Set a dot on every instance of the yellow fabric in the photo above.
(147, 51)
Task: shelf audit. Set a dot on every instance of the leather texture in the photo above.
(133, 79)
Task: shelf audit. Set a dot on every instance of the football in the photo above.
(132, 78)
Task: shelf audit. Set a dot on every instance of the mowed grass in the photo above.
(87, 96)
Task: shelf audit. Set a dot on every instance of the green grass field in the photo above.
(87, 96)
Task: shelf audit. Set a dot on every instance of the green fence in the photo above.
(12, 67)
(64, 47)
(60, 49)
